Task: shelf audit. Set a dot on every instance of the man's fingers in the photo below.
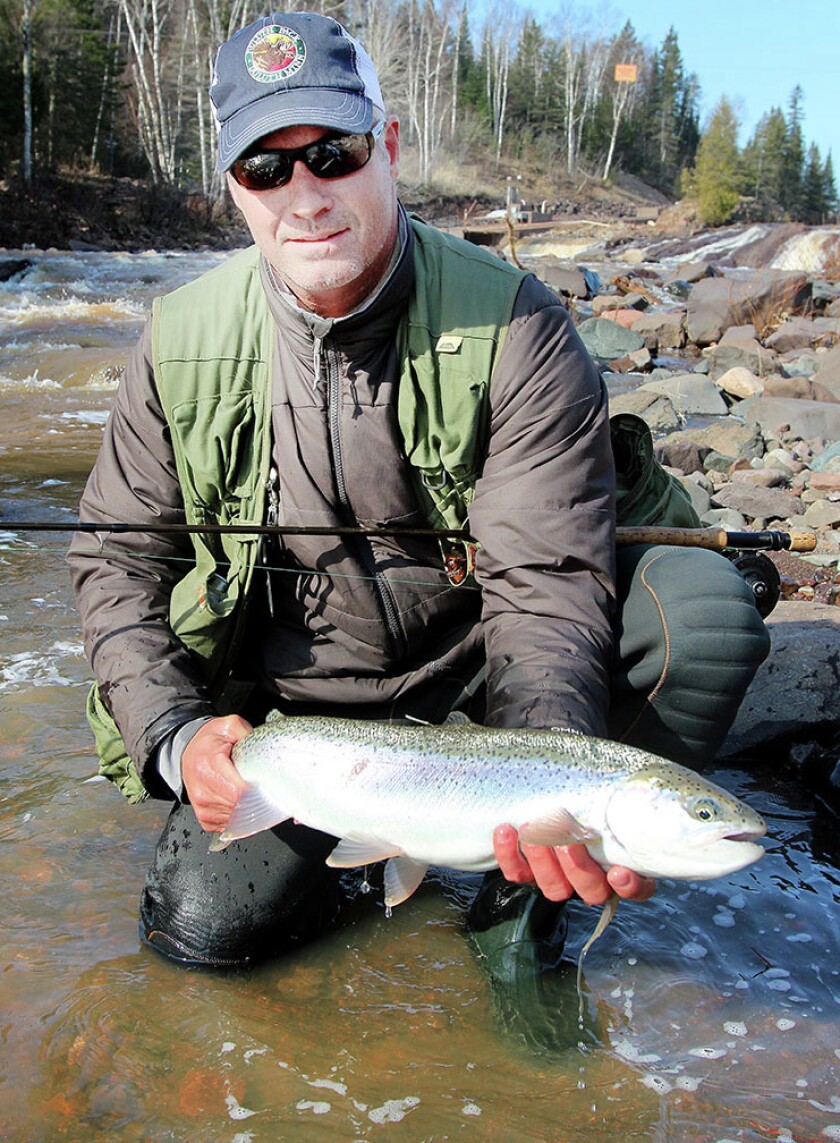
(630, 885)
(513, 865)
(549, 872)
(562, 871)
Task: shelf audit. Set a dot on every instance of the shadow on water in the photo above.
(711, 1012)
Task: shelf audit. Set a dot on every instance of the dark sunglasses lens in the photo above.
(327, 159)
(263, 171)
(334, 158)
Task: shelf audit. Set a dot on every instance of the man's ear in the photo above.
(391, 139)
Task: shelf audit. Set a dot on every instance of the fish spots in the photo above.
(357, 771)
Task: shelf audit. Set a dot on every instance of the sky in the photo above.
(752, 51)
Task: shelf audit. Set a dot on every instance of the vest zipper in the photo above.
(362, 546)
(268, 544)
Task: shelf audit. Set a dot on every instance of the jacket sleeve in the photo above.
(544, 515)
(147, 678)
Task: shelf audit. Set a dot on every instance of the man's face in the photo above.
(330, 240)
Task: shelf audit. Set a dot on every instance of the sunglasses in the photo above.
(332, 157)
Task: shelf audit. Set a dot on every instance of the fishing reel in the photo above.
(762, 577)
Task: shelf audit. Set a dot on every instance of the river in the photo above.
(711, 1011)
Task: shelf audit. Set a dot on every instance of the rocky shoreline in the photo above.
(738, 378)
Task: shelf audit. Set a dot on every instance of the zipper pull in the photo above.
(272, 485)
(317, 354)
(269, 543)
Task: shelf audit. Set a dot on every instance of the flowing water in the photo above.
(711, 1011)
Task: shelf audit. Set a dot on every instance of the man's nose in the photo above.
(307, 194)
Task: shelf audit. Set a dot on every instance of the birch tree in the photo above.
(427, 74)
(626, 54)
(27, 92)
(145, 23)
(501, 29)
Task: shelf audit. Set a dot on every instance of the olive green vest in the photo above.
(213, 346)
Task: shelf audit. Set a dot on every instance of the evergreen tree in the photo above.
(672, 129)
(793, 159)
(763, 161)
(814, 206)
(829, 187)
(717, 173)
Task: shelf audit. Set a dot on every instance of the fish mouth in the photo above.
(745, 835)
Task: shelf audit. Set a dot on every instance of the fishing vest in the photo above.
(213, 344)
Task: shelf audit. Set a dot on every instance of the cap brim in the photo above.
(315, 107)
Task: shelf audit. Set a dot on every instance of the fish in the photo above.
(417, 795)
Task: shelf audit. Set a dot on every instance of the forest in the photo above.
(119, 88)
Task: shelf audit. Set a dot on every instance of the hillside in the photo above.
(88, 211)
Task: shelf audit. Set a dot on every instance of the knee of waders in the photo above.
(256, 899)
(690, 640)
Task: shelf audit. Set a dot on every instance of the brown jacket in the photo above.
(373, 626)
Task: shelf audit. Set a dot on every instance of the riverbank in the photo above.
(90, 212)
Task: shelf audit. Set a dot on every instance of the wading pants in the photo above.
(689, 640)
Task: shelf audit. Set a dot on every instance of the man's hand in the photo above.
(561, 871)
(210, 778)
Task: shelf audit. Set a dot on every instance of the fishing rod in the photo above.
(716, 539)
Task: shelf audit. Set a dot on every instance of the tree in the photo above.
(763, 161)
(621, 93)
(792, 171)
(814, 206)
(717, 176)
(829, 187)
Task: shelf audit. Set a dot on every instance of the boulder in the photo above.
(740, 382)
(744, 332)
(746, 353)
(714, 304)
(758, 503)
(661, 329)
(686, 455)
(827, 376)
(730, 437)
(796, 687)
(656, 410)
(627, 318)
(618, 302)
(566, 280)
(802, 388)
(797, 333)
(806, 418)
(691, 394)
(692, 272)
(10, 267)
(608, 340)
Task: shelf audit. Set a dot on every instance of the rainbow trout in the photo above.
(419, 795)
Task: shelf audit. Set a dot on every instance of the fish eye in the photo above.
(706, 810)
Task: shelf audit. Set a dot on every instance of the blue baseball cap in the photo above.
(291, 69)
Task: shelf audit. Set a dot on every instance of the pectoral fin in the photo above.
(252, 813)
(402, 876)
(357, 849)
(558, 828)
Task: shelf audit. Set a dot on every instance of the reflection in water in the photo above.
(710, 1012)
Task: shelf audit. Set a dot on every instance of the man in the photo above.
(306, 382)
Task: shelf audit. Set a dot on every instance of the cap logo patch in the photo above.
(275, 52)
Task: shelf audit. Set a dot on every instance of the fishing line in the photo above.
(17, 545)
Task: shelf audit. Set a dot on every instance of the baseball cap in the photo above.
(291, 69)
